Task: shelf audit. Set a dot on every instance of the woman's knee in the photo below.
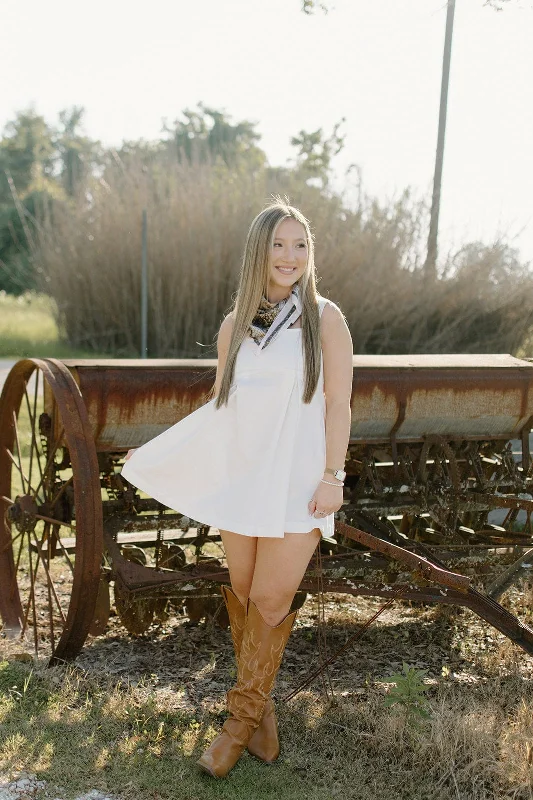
(240, 555)
(273, 606)
(241, 586)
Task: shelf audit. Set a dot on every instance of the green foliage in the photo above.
(37, 163)
(26, 155)
(70, 227)
(310, 6)
(205, 135)
(76, 154)
(17, 232)
(316, 151)
(26, 172)
(409, 692)
(16, 271)
(28, 329)
(21, 687)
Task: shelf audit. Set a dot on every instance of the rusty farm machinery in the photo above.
(438, 494)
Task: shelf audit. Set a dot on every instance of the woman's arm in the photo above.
(337, 354)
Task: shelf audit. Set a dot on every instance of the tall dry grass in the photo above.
(369, 262)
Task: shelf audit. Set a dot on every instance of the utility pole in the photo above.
(430, 267)
(144, 288)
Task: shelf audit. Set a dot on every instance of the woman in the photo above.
(263, 460)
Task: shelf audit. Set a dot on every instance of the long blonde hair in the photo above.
(253, 284)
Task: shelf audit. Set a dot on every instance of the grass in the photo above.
(28, 329)
(79, 731)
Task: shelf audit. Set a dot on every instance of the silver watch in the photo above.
(337, 473)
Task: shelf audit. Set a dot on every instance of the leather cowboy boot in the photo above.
(260, 655)
(264, 743)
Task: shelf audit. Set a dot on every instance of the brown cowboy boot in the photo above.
(264, 743)
(260, 655)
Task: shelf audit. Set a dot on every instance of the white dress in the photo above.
(252, 466)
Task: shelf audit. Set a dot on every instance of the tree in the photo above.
(37, 162)
(497, 5)
(26, 170)
(315, 152)
(76, 154)
(207, 134)
(310, 6)
(26, 153)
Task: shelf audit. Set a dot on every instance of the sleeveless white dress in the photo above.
(252, 466)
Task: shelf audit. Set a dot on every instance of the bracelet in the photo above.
(330, 483)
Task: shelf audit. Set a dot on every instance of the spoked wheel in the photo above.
(438, 472)
(51, 525)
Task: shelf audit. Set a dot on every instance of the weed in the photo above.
(409, 692)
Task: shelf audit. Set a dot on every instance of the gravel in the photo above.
(27, 786)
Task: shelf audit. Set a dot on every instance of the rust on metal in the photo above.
(489, 396)
(128, 405)
(416, 563)
(403, 397)
(407, 397)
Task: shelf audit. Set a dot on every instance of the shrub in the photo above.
(369, 261)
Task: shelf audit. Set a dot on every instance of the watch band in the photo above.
(340, 474)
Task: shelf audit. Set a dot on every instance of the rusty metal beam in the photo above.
(455, 586)
(509, 576)
(417, 564)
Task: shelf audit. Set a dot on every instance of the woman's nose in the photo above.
(289, 255)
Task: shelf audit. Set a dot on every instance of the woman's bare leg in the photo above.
(240, 555)
(280, 565)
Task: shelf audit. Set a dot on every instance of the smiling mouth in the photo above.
(286, 270)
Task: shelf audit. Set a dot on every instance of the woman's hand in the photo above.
(326, 500)
(130, 453)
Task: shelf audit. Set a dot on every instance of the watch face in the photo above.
(340, 474)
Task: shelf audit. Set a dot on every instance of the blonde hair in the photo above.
(253, 284)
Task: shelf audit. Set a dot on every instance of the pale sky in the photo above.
(375, 62)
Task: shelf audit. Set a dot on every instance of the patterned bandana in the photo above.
(271, 318)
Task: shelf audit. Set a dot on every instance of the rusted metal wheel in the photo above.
(438, 464)
(136, 613)
(50, 499)
(438, 472)
(171, 556)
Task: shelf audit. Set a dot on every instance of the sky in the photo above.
(377, 63)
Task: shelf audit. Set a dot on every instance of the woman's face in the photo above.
(288, 258)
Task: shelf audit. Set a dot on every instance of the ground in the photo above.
(131, 715)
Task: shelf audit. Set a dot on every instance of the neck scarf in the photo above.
(271, 318)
